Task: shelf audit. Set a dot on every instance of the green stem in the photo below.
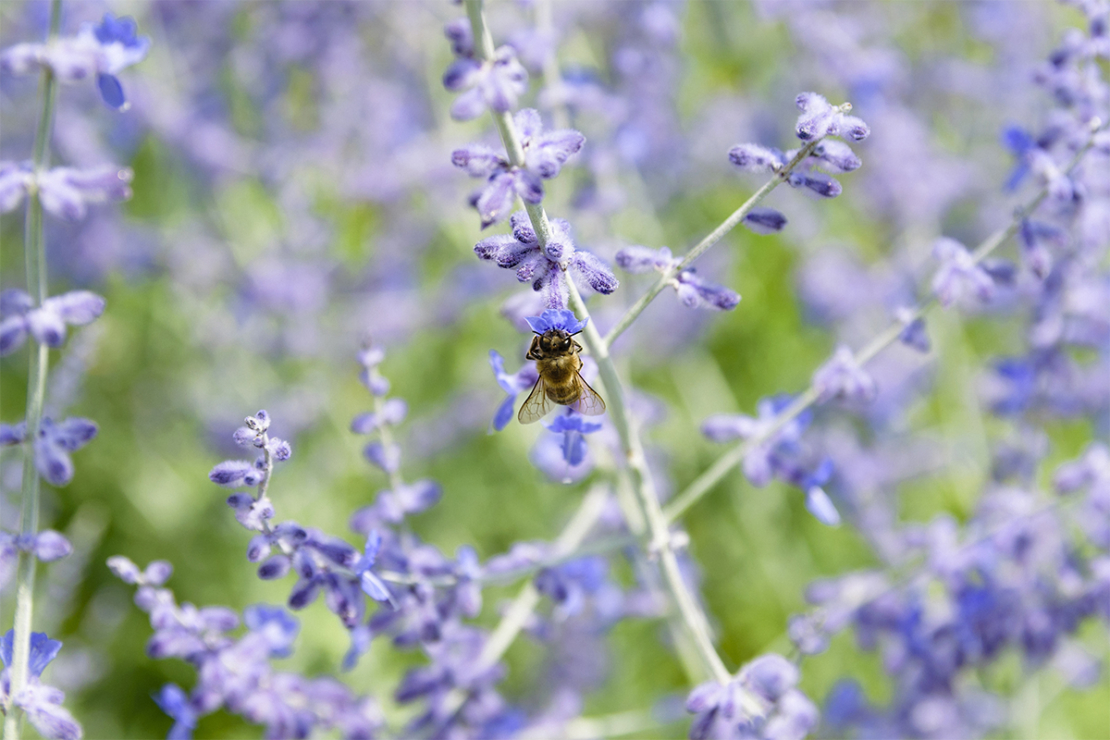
(641, 482)
(712, 238)
(39, 360)
(730, 459)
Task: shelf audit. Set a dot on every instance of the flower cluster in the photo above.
(774, 450)
(236, 673)
(546, 265)
(544, 156)
(483, 83)
(691, 290)
(101, 51)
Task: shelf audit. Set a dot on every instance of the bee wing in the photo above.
(589, 403)
(536, 405)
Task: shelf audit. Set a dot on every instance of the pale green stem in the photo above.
(712, 238)
(730, 459)
(39, 360)
(642, 486)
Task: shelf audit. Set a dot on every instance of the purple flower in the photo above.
(393, 412)
(513, 385)
(103, 51)
(1035, 238)
(54, 443)
(543, 266)
(765, 220)
(67, 192)
(392, 506)
(234, 473)
(914, 334)
(959, 273)
(820, 119)
(761, 462)
(694, 292)
(637, 260)
(47, 324)
(172, 700)
(495, 83)
(756, 158)
(842, 377)
(250, 512)
(41, 703)
(544, 156)
(15, 181)
(155, 574)
(387, 457)
(47, 546)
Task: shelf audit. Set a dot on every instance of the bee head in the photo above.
(555, 340)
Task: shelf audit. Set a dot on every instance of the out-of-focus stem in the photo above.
(712, 238)
(730, 459)
(34, 255)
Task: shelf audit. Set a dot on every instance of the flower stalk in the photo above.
(34, 251)
(641, 482)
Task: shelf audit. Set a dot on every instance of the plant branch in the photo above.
(712, 238)
(730, 459)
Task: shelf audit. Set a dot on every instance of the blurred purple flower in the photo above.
(53, 445)
(959, 273)
(544, 156)
(103, 51)
(47, 324)
(47, 546)
(495, 83)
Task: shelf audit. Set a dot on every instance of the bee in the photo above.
(560, 381)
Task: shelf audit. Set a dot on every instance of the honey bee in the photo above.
(560, 381)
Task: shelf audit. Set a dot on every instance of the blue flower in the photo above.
(43, 650)
(959, 273)
(372, 585)
(556, 319)
(175, 702)
(513, 385)
(47, 323)
(572, 426)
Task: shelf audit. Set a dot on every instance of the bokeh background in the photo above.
(294, 194)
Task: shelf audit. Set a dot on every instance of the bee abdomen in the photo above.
(565, 395)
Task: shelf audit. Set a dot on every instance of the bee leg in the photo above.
(534, 350)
